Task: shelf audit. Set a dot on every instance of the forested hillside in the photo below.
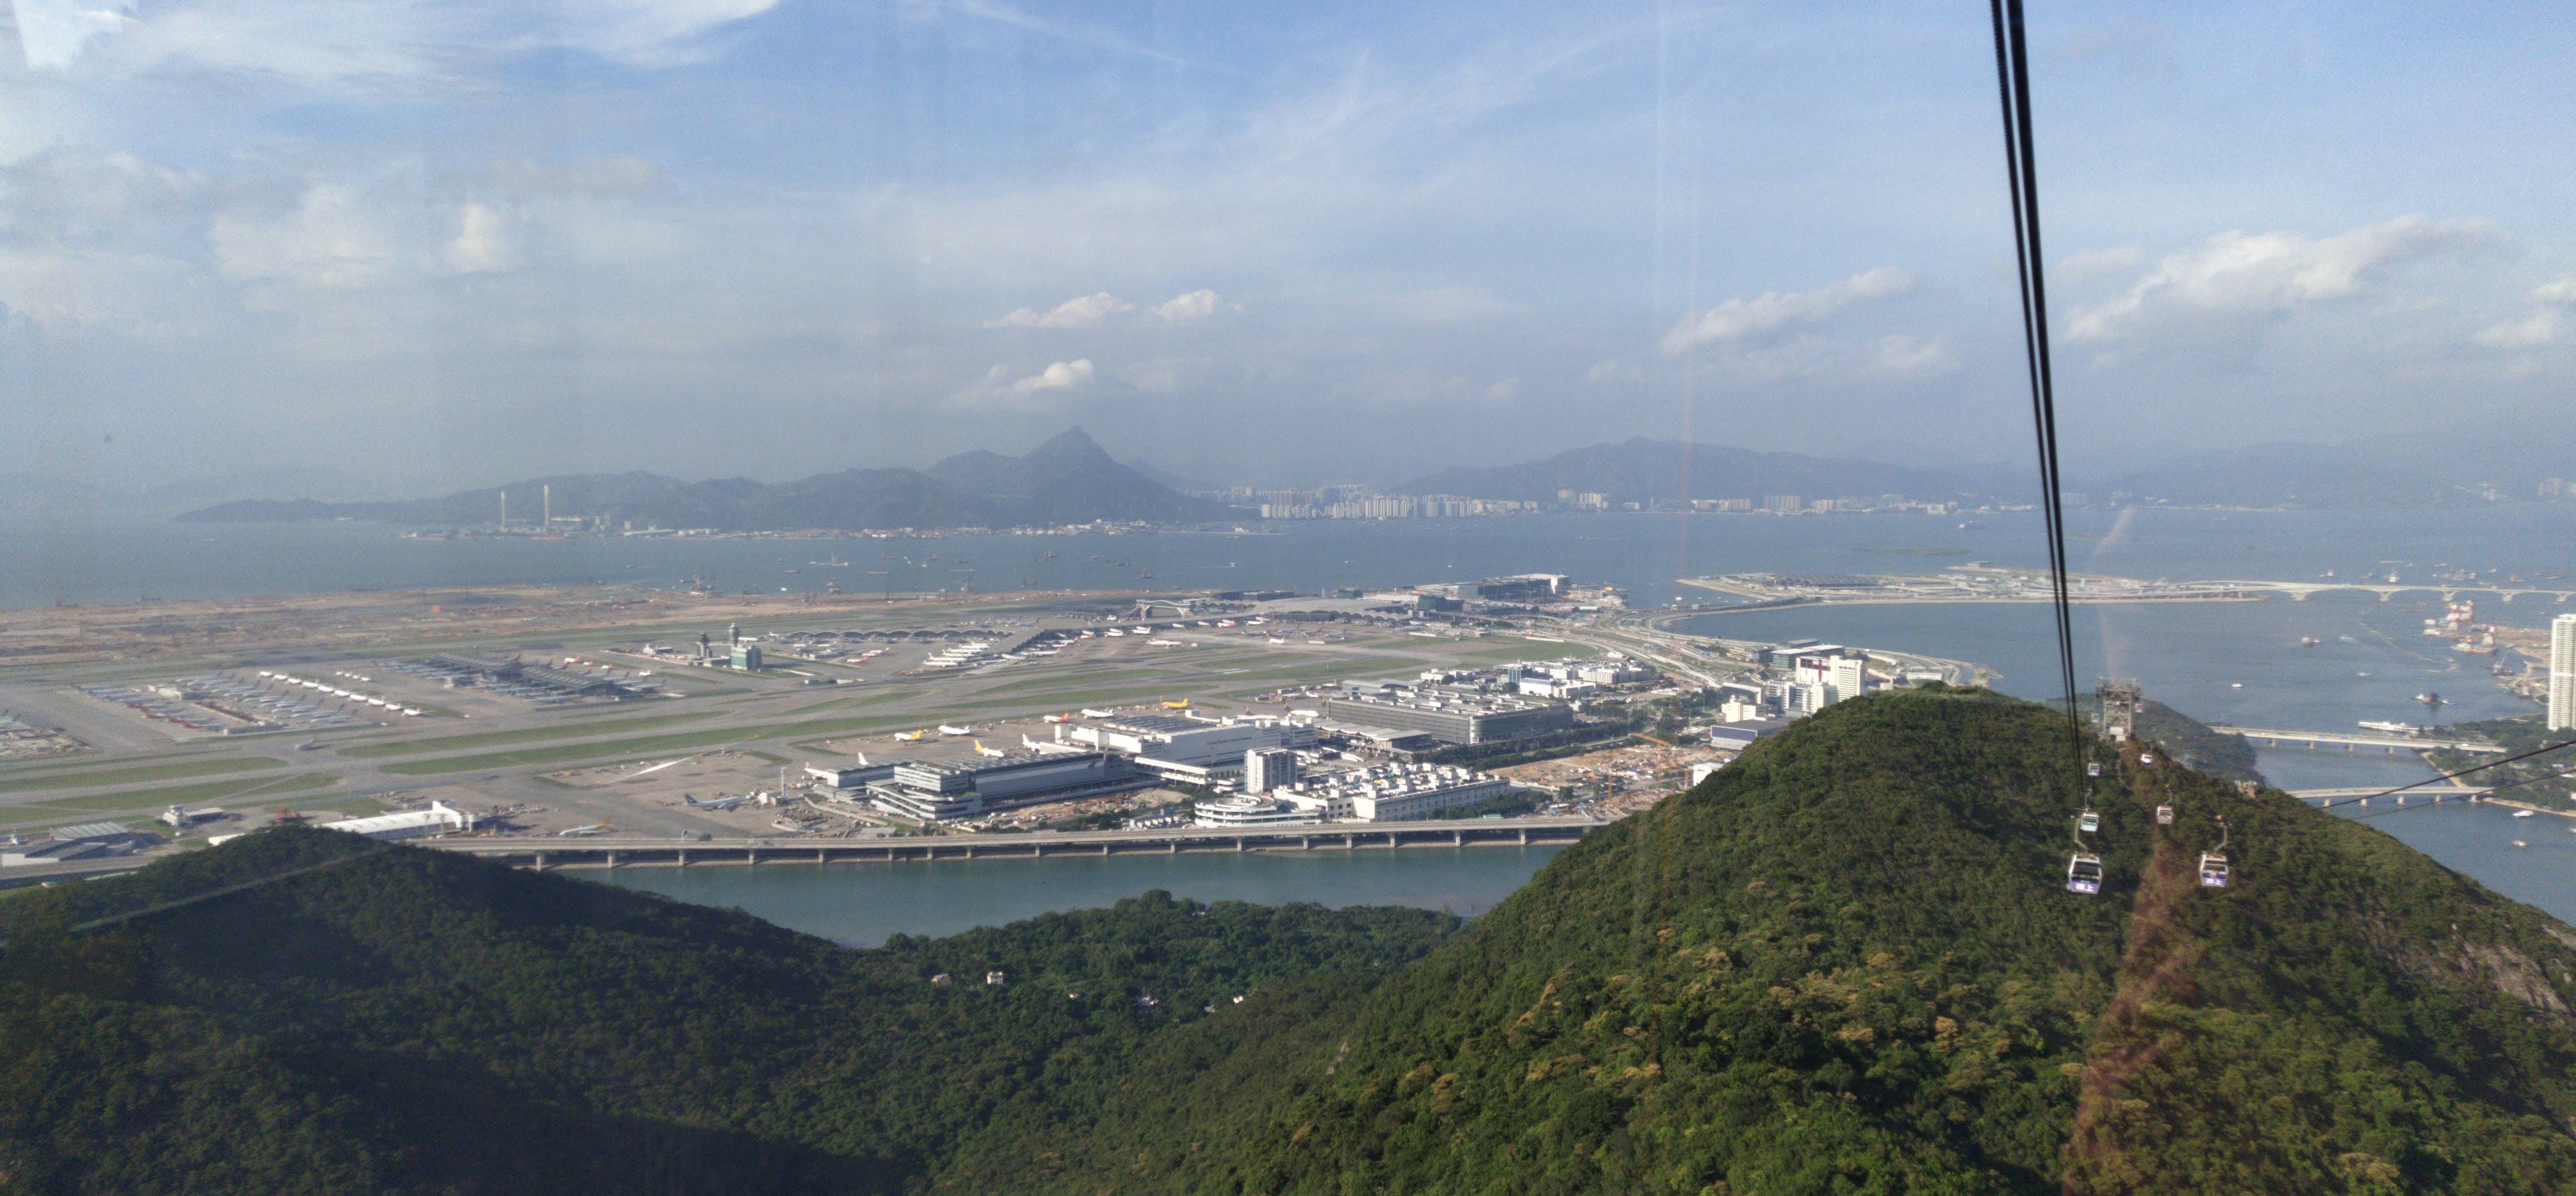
(408, 1021)
(1846, 963)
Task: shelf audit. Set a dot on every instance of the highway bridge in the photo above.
(2332, 739)
(548, 852)
(610, 851)
(2444, 793)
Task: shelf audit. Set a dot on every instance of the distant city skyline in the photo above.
(454, 243)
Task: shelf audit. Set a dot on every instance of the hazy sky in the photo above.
(457, 242)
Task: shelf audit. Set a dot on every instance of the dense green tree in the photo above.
(1846, 963)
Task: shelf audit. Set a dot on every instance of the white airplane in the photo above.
(1164, 643)
(909, 736)
(863, 759)
(946, 729)
(995, 753)
(1090, 713)
(721, 803)
(598, 828)
(1059, 718)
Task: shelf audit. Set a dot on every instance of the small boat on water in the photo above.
(2523, 813)
(2520, 843)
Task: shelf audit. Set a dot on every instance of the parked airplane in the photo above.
(981, 750)
(1183, 704)
(1059, 718)
(946, 729)
(721, 803)
(1087, 712)
(909, 736)
(598, 828)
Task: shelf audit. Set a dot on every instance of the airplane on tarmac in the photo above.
(909, 736)
(981, 750)
(721, 803)
(946, 729)
(599, 828)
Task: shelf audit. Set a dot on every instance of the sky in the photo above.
(442, 243)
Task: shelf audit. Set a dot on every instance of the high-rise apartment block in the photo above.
(2562, 672)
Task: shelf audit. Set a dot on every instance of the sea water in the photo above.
(2235, 663)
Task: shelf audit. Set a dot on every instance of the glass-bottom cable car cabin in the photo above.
(2213, 869)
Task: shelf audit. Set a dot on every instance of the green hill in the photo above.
(1846, 963)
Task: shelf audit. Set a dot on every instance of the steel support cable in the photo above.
(2452, 776)
(2438, 795)
(2012, 77)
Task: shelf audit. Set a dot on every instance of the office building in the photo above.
(2562, 672)
(1265, 769)
(1189, 749)
(943, 791)
(1251, 811)
(1847, 677)
(1397, 792)
(439, 819)
(1447, 716)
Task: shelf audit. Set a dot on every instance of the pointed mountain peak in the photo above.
(1072, 445)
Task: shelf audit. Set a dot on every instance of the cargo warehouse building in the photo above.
(945, 791)
(1447, 716)
(1189, 749)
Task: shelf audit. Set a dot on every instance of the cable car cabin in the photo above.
(2088, 822)
(2164, 815)
(2093, 768)
(2146, 757)
(2213, 869)
(2084, 873)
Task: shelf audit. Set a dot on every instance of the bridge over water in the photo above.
(2331, 739)
(608, 851)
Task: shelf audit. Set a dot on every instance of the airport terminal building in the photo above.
(1447, 716)
(949, 790)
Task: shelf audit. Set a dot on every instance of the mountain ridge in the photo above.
(1068, 479)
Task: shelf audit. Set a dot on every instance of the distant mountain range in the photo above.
(1643, 470)
(1066, 480)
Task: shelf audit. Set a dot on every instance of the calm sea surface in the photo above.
(861, 904)
(2235, 663)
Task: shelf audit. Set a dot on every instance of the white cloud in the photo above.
(482, 243)
(2538, 328)
(1063, 375)
(2237, 283)
(331, 239)
(52, 32)
(1504, 391)
(1184, 309)
(615, 174)
(1610, 369)
(2099, 263)
(1740, 320)
(2561, 289)
(1891, 358)
(58, 289)
(324, 43)
(1440, 307)
(1087, 311)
